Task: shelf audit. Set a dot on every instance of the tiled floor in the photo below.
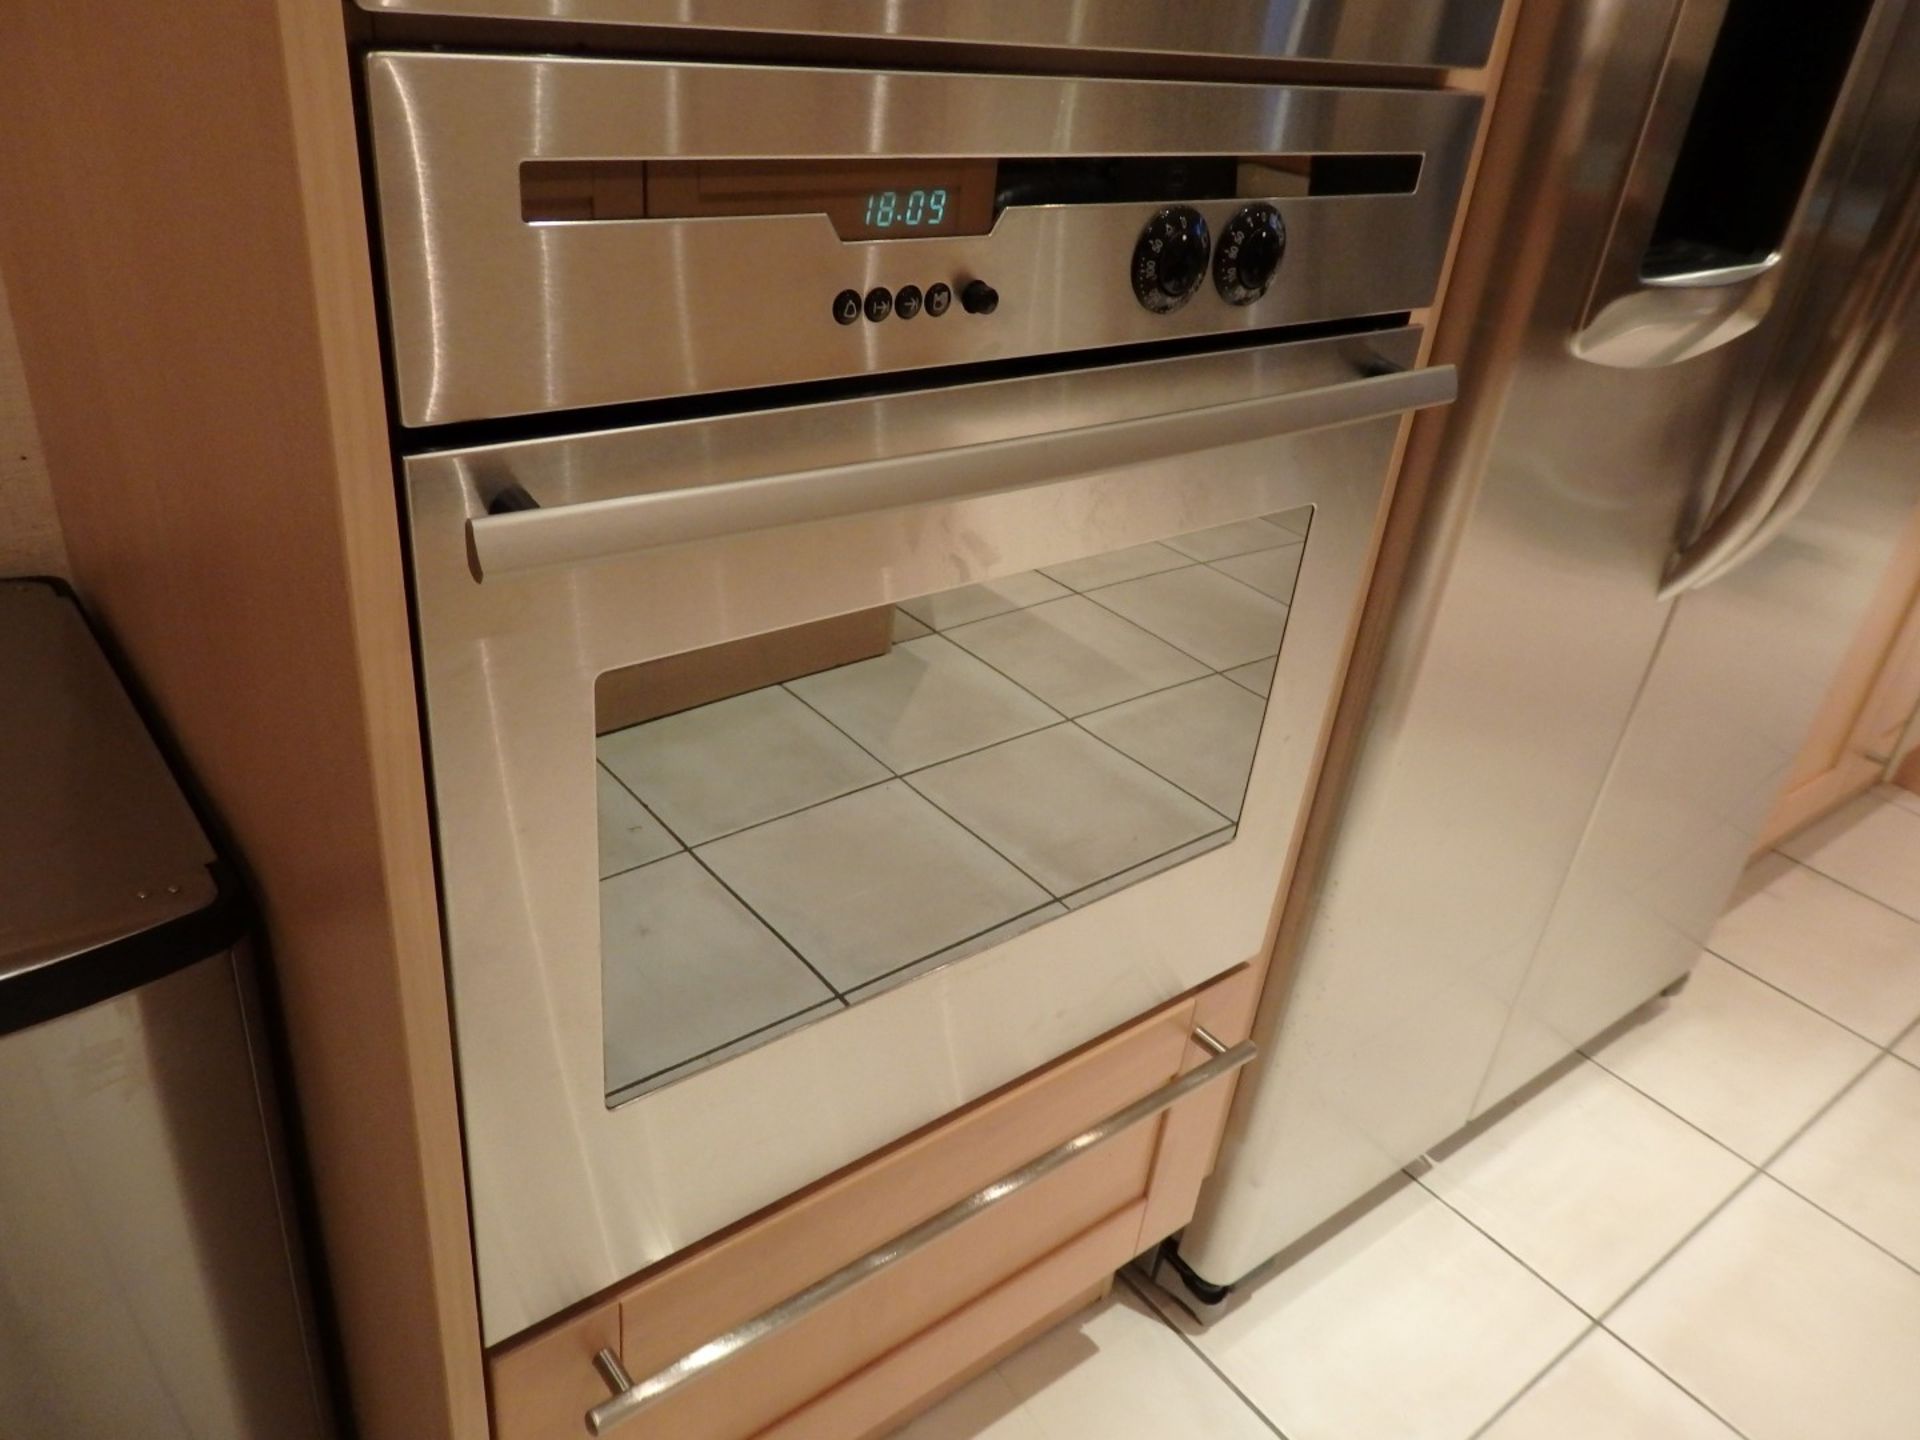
(1707, 1228)
(1025, 747)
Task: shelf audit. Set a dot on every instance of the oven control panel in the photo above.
(568, 233)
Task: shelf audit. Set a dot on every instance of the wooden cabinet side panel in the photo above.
(186, 254)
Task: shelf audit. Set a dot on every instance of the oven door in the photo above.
(805, 774)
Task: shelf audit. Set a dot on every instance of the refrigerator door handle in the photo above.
(1823, 405)
(1694, 254)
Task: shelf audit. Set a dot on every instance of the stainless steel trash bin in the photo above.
(150, 1285)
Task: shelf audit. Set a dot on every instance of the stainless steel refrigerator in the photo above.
(1687, 436)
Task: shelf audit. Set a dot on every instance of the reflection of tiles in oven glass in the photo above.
(686, 968)
(1211, 617)
(949, 608)
(905, 627)
(925, 701)
(739, 1045)
(870, 882)
(1257, 677)
(1236, 539)
(1116, 565)
(629, 836)
(1148, 868)
(1295, 520)
(1076, 656)
(1271, 572)
(736, 762)
(1200, 736)
(1064, 807)
(972, 945)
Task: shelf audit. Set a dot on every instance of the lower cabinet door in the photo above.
(892, 1343)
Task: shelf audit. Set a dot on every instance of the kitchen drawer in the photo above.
(875, 1353)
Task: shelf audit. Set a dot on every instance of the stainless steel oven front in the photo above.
(809, 761)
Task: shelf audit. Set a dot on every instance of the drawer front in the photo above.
(900, 1333)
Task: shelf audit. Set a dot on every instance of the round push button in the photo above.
(906, 304)
(939, 297)
(879, 303)
(979, 298)
(846, 306)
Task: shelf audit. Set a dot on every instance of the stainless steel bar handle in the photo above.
(632, 1396)
(500, 545)
(1821, 409)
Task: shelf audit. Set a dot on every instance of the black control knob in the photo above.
(977, 297)
(1170, 258)
(1249, 254)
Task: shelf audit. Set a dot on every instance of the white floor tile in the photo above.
(1589, 1183)
(1271, 572)
(1603, 1391)
(686, 968)
(1861, 1160)
(1114, 566)
(1872, 845)
(1739, 1059)
(1257, 677)
(1116, 1372)
(629, 836)
(736, 762)
(1201, 736)
(871, 881)
(1408, 1324)
(1849, 957)
(905, 627)
(1785, 1323)
(1211, 617)
(1065, 808)
(1897, 795)
(947, 608)
(1236, 539)
(1075, 655)
(925, 701)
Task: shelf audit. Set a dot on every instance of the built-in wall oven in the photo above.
(884, 544)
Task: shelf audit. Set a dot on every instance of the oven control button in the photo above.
(939, 297)
(907, 303)
(977, 297)
(1170, 258)
(846, 306)
(879, 303)
(1249, 254)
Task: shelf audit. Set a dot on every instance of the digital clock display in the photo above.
(923, 210)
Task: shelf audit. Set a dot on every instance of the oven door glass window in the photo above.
(793, 823)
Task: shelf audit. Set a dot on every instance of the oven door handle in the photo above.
(631, 1396)
(530, 538)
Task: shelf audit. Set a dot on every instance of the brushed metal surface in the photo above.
(592, 530)
(1379, 32)
(1522, 645)
(569, 1195)
(493, 316)
(632, 1396)
(150, 1289)
(96, 842)
(1746, 660)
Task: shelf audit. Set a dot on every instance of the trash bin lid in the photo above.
(107, 880)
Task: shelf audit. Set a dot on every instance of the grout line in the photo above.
(642, 1086)
(1201, 1355)
(1845, 885)
(1498, 1244)
(720, 880)
(1539, 1375)
(1802, 1002)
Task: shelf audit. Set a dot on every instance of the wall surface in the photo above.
(29, 530)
